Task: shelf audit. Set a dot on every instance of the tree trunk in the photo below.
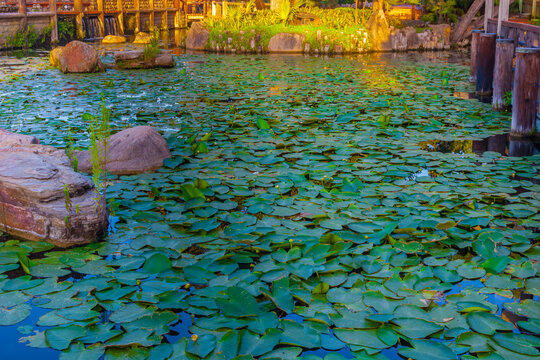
(462, 25)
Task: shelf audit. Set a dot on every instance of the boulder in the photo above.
(131, 151)
(441, 35)
(77, 57)
(286, 43)
(54, 56)
(33, 205)
(197, 37)
(113, 39)
(135, 60)
(379, 31)
(142, 38)
(8, 139)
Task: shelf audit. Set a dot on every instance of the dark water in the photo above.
(504, 144)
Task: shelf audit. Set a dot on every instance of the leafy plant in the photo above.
(151, 50)
(507, 99)
(439, 11)
(66, 31)
(99, 131)
(30, 37)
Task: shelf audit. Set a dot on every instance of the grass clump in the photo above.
(152, 49)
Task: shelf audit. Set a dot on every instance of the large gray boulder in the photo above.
(131, 151)
(286, 43)
(197, 37)
(33, 205)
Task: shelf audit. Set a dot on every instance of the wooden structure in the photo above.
(98, 18)
(525, 96)
(493, 64)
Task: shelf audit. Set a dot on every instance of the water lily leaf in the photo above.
(239, 304)
(156, 264)
(77, 351)
(253, 345)
(129, 312)
(416, 328)
(60, 338)
(15, 314)
(487, 323)
(281, 295)
(423, 349)
(130, 353)
(360, 337)
(299, 335)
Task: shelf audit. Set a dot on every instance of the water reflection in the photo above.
(504, 144)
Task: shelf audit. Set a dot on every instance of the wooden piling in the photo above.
(502, 74)
(525, 91)
(486, 62)
(474, 55)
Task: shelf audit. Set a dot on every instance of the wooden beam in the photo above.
(463, 24)
(488, 13)
(504, 8)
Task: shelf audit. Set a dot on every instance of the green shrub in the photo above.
(30, 37)
(66, 31)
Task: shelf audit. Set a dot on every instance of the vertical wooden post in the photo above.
(474, 54)
(151, 15)
(504, 8)
(486, 62)
(101, 18)
(120, 17)
(137, 5)
(54, 21)
(78, 7)
(488, 13)
(525, 91)
(502, 74)
(22, 11)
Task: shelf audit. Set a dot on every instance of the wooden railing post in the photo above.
(488, 13)
(22, 11)
(101, 18)
(525, 92)
(151, 15)
(120, 17)
(78, 7)
(474, 55)
(504, 8)
(502, 74)
(54, 21)
(137, 5)
(486, 62)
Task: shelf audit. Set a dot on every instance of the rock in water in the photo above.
(286, 43)
(142, 38)
(33, 205)
(131, 151)
(113, 39)
(54, 56)
(135, 60)
(77, 57)
(197, 37)
(379, 31)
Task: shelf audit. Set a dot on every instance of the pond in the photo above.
(313, 208)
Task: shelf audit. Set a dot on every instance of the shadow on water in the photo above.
(504, 144)
(473, 96)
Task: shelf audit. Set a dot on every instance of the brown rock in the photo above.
(78, 57)
(135, 60)
(113, 39)
(32, 200)
(442, 33)
(197, 37)
(53, 56)
(131, 151)
(286, 43)
(142, 38)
